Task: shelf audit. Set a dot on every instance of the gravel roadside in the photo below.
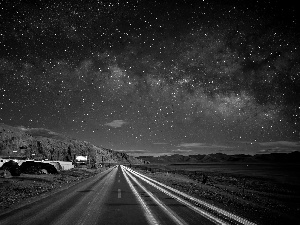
(18, 191)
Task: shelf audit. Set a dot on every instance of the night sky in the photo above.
(154, 77)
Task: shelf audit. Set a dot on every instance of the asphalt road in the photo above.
(116, 196)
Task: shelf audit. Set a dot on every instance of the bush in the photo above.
(31, 167)
(50, 168)
(12, 167)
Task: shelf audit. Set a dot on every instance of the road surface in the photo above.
(119, 195)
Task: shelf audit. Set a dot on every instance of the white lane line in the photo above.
(166, 209)
(119, 193)
(118, 181)
(149, 216)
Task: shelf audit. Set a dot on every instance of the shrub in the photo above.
(12, 167)
(31, 167)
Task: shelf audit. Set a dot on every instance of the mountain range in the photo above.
(293, 157)
(41, 144)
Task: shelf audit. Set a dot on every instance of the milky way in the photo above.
(152, 77)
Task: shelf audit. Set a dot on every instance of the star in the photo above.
(125, 75)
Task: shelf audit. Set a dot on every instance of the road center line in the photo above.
(119, 193)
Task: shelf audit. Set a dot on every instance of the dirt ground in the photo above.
(263, 201)
(17, 191)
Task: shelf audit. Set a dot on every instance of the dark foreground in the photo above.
(114, 196)
(264, 194)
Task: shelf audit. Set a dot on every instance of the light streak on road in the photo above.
(167, 210)
(162, 187)
(150, 217)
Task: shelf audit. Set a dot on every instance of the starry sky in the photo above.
(154, 77)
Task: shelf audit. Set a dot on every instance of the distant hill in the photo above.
(39, 143)
(293, 157)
